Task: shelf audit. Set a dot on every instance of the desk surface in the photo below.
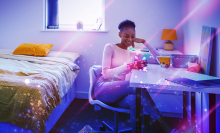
(154, 78)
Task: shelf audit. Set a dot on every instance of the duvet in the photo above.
(31, 87)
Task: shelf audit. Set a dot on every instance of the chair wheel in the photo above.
(102, 128)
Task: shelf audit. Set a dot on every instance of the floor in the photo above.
(80, 113)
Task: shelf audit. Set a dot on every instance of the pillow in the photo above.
(6, 51)
(69, 55)
(35, 49)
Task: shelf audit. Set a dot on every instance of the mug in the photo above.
(164, 61)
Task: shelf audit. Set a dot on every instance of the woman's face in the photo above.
(127, 36)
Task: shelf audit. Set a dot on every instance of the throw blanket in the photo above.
(30, 88)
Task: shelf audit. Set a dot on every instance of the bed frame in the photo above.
(55, 115)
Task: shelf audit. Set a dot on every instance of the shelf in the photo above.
(58, 30)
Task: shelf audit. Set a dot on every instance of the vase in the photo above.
(79, 26)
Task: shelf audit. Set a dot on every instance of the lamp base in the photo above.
(168, 45)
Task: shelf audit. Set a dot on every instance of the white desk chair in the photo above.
(94, 74)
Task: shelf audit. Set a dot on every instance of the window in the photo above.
(89, 13)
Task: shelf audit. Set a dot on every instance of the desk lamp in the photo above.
(169, 34)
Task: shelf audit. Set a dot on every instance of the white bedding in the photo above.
(62, 69)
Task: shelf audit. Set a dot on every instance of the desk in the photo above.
(154, 78)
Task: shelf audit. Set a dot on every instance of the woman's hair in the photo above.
(126, 24)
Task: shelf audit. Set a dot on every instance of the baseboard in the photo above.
(82, 95)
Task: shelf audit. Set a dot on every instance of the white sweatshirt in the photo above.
(115, 60)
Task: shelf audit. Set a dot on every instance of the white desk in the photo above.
(153, 78)
(155, 75)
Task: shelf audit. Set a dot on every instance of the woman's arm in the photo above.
(107, 71)
(152, 50)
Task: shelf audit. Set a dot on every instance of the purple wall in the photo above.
(197, 14)
(22, 21)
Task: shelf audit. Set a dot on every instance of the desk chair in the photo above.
(94, 74)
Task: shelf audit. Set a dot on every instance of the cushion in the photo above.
(6, 51)
(35, 49)
(194, 67)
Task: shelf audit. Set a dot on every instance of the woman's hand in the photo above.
(137, 64)
(138, 40)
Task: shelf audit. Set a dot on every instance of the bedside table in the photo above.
(168, 52)
(164, 52)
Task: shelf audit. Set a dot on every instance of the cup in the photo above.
(164, 61)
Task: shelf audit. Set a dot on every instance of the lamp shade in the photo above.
(169, 34)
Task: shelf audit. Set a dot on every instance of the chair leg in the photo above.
(105, 125)
(115, 130)
(142, 115)
(97, 107)
(115, 122)
(126, 131)
(133, 120)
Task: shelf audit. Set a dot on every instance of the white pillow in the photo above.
(6, 51)
(69, 55)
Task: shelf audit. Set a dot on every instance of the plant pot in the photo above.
(79, 26)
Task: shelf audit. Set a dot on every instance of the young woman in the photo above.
(111, 87)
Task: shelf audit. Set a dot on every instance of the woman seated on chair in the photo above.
(111, 87)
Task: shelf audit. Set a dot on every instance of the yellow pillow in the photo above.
(35, 49)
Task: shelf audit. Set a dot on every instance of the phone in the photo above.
(146, 57)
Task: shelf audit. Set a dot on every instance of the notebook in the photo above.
(196, 84)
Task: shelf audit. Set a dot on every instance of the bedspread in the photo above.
(30, 88)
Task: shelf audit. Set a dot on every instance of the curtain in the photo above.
(52, 14)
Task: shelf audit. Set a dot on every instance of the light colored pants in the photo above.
(117, 93)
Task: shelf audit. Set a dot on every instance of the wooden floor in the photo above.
(80, 113)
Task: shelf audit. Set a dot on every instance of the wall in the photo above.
(196, 14)
(22, 21)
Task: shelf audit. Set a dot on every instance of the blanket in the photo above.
(28, 96)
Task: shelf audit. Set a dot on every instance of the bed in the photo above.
(35, 91)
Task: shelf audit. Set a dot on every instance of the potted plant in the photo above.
(79, 25)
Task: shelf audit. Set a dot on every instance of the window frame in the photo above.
(45, 21)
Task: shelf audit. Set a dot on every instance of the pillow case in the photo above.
(35, 49)
(69, 55)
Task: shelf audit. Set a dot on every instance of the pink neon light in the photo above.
(187, 17)
(108, 4)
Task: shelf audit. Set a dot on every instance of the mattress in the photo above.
(31, 87)
(50, 64)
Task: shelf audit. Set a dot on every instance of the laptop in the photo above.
(196, 84)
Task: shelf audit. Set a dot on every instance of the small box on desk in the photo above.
(181, 61)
